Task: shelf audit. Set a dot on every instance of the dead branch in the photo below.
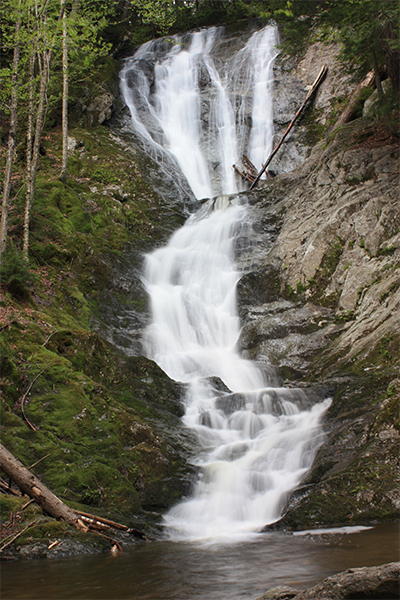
(18, 534)
(8, 489)
(50, 336)
(23, 398)
(39, 461)
(110, 540)
(113, 524)
(28, 504)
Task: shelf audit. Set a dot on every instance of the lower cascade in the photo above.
(256, 439)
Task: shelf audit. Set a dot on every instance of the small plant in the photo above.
(104, 175)
(386, 251)
(384, 295)
(347, 266)
(290, 291)
(344, 317)
(15, 274)
(383, 347)
(351, 244)
(300, 287)
(362, 243)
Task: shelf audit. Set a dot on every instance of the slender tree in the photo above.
(33, 145)
(12, 134)
(64, 163)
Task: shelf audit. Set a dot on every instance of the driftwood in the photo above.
(311, 92)
(250, 172)
(355, 100)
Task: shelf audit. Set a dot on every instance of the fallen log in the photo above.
(311, 92)
(32, 487)
(53, 506)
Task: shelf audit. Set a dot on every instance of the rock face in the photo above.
(368, 582)
(321, 302)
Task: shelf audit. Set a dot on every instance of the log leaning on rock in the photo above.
(312, 90)
(32, 487)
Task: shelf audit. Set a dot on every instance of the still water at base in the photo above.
(189, 571)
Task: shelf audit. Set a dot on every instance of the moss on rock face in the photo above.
(109, 423)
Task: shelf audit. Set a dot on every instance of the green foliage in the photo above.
(332, 257)
(15, 274)
(160, 14)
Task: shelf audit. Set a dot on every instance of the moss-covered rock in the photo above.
(107, 423)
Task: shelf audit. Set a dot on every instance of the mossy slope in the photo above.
(110, 424)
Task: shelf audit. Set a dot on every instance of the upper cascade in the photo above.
(194, 101)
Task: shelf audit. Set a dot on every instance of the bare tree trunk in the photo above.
(30, 485)
(11, 138)
(63, 175)
(33, 159)
(310, 93)
(29, 133)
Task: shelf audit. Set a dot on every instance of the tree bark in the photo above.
(30, 485)
(381, 96)
(63, 175)
(311, 92)
(33, 158)
(356, 100)
(11, 138)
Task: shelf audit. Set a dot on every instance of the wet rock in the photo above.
(367, 582)
(285, 335)
(281, 592)
(100, 108)
(334, 319)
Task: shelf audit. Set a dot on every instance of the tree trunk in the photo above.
(310, 93)
(63, 175)
(33, 157)
(30, 485)
(381, 96)
(356, 100)
(11, 139)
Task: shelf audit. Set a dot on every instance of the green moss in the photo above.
(88, 403)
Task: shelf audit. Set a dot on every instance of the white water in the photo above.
(189, 109)
(258, 441)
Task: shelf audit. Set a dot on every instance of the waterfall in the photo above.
(257, 440)
(183, 107)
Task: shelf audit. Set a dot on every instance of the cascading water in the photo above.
(184, 107)
(257, 440)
